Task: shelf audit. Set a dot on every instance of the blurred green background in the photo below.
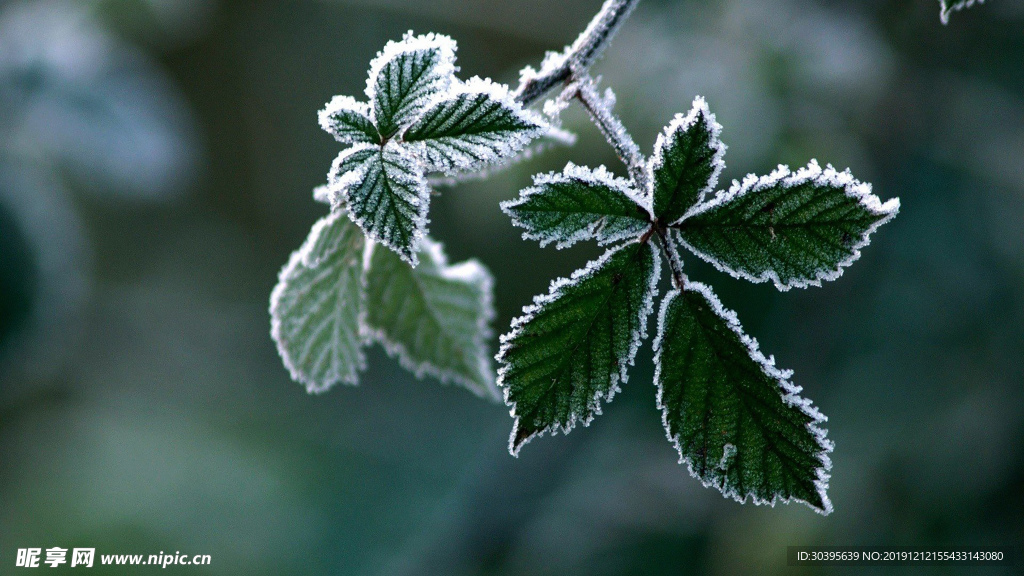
(156, 165)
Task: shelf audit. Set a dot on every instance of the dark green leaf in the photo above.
(386, 194)
(571, 348)
(348, 121)
(315, 307)
(794, 229)
(478, 125)
(736, 420)
(686, 162)
(435, 318)
(346, 167)
(405, 76)
(578, 204)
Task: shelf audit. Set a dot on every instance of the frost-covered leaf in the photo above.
(346, 169)
(686, 162)
(435, 318)
(350, 160)
(316, 304)
(385, 193)
(348, 121)
(950, 6)
(405, 77)
(736, 420)
(578, 204)
(552, 138)
(475, 125)
(571, 348)
(795, 229)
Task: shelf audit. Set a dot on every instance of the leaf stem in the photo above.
(601, 113)
(674, 262)
(558, 68)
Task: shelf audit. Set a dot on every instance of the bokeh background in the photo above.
(156, 165)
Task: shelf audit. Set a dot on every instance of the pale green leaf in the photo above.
(578, 204)
(736, 420)
(572, 347)
(435, 318)
(315, 307)
(794, 229)
(477, 124)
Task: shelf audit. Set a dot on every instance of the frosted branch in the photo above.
(558, 67)
(600, 110)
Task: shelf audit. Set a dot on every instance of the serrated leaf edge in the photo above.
(853, 188)
(302, 257)
(600, 176)
(469, 271)
(555, 292)
(681, 123)
(790, 395)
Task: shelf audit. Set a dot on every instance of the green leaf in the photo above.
(477, 125)
(686, 162)
(345, 169)
(571, 348)
(736, 419)
(348, 121)
(435, 318)
(386, 194)
(315, 307)
(578, 204)
(794, 229)
(405, 76)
